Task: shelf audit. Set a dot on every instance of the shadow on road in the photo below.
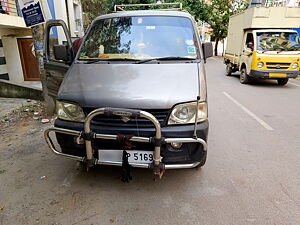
(102, 176)
(263, 83)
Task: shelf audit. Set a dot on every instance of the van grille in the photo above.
(278, 66)
(102, 120)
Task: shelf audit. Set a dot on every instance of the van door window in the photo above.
(58, 54)
(57, 36)
(249, 45)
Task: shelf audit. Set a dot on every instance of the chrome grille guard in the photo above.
(88, 135)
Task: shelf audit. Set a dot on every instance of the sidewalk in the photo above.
(32, 89)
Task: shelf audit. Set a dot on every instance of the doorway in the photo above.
(28, 60)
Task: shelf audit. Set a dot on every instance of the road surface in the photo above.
(252, 174)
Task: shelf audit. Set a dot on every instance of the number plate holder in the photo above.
(136, 156)
(277, 75)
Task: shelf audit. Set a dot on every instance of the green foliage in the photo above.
(216, 12)
(94, 8)
(197, 8)
(220, 11)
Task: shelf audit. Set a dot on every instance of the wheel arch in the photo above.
(243, 66)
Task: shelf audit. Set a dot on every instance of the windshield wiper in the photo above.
(165, 58)
(283, 49)
(138, 61)
(278, 50)
(269, 49)
(112, 59)
(294, 49)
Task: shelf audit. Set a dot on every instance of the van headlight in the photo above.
(186, 113)
(69, 111)
(260, 65)
(294, 65)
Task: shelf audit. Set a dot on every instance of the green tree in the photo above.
(219, 13)
(197, 8)
(216, 12)
(94, 8)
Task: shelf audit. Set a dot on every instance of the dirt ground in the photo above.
(20, 148)
(38, 187)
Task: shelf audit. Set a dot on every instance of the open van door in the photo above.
(58, 54)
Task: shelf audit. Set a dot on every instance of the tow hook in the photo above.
(158, 170)
(89, 163)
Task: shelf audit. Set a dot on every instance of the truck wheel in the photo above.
(228, 69)
(282, 81)
(244, 77)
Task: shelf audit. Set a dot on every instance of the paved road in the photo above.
(251, 176)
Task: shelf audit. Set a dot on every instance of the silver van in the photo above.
(134, 95)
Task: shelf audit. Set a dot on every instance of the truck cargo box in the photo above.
(259, 18)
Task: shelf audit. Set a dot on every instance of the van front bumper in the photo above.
(155, 139)
(267, 74)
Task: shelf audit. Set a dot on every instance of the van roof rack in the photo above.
(123, 7)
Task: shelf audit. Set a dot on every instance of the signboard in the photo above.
(32, 11)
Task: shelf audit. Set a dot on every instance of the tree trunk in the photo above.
(38, 41)
(216, 46)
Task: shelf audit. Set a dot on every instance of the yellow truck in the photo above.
(261, 44)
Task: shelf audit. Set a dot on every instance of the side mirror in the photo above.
(61, 52)
(207, 49)
(250, 45)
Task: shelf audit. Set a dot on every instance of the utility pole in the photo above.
(38, 41)
(35, 13)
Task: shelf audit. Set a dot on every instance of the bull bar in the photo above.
(88, 135)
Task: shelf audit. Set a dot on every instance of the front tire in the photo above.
(244, 77)
(282, 81)
(228, 69)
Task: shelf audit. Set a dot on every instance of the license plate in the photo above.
(277, 75)
(135, 156)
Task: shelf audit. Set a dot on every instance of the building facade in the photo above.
(17, 61)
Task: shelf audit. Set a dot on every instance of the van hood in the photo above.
(142, 86)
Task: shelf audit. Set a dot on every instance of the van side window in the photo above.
(57, 37)
(249, 42)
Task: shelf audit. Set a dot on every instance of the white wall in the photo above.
(10, 50)
(13, 61)
(60, 13)
(12, 21)
(75, 12)
(220, 46)
(78, 22)
(3, 68)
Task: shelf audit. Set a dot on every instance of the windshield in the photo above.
(140, 38)
(278, 41)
